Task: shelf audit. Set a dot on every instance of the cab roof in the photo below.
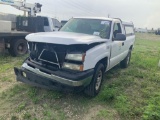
(98, 18)
(105, 18)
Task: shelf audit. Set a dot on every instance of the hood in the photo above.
(65, 38)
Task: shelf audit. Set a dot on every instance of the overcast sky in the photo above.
(143, 13)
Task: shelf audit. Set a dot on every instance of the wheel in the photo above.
(18, 47)
(124, 63)
(94, 87)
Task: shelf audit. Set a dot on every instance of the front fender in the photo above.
(94, 55)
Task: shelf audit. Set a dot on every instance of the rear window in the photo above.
(129, 30)
(46, 23)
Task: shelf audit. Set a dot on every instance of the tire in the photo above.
(124, 63)
(18, 47)
(94, 87)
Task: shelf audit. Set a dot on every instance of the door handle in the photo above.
(122, 43)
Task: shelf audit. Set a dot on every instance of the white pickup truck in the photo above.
(77, 56)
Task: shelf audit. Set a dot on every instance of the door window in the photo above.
(116, 29)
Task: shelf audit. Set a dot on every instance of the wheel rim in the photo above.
(21, 48)
(99, 80)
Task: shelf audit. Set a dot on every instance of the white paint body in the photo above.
(51, 25)
(5, 26)
(113, 50)
(66, 38)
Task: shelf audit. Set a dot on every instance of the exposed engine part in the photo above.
(52, 55)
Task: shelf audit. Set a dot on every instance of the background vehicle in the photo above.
(157, 32)
(63, 22)
(14, 29)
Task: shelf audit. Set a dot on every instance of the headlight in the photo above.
(75, 57)
(73, 66)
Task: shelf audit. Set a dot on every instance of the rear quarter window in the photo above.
(129, 30)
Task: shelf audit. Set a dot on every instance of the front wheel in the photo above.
(124, 63)
(94, 87)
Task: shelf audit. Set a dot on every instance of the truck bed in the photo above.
(13, 33)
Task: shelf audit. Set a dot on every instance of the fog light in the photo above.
(24, 74)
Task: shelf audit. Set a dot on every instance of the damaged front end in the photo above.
(55, 66)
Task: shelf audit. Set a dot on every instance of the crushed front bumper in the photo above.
(60, 80)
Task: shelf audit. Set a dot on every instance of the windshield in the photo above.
(88, 26)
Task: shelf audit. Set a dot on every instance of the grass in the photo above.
(127, 94)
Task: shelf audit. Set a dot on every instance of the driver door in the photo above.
(116, 46)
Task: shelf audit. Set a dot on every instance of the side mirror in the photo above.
(120, 37)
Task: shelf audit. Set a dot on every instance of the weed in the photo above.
(33, 94)
(47, 113)
(34, 119)
(3, 95)
(103, 114)
(27, 116)
(108, 94)
(152, 110)
(4, 79)
(15, 90)
(61, 115)
(122, 105)
(54, 95)
(21, 106)
(14, 118)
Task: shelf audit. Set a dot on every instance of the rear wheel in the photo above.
(18, 47)
(94, 87)
(124, 63)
